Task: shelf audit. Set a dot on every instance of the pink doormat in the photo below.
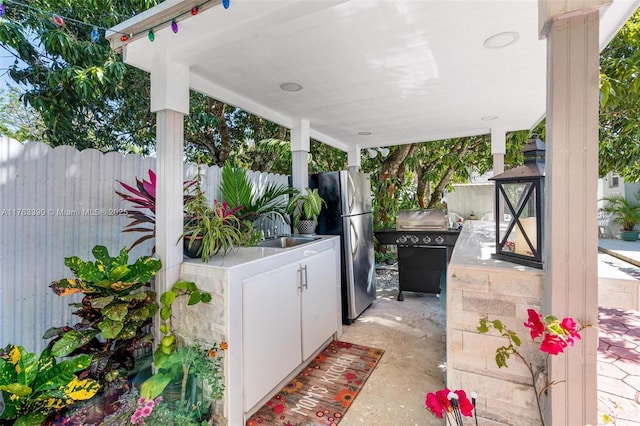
(324, 390)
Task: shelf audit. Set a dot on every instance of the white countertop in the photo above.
(245, 255)
(476, 243)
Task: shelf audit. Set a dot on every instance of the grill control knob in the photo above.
(439, 239)
(427, 239)
(401, 239)
(414, 239)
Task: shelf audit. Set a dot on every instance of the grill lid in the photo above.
(422, 220)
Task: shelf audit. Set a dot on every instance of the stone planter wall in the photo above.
(478, 285)
(204, 323)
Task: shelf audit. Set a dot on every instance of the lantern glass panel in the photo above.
(518, 201)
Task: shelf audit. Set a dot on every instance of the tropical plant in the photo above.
(169, 342)
(36, 387)
(306, 206)
(117, 304)
(144, 204)
(189, 362)
(624, 212)
(143, 198)
(176, 362)
(239, 192)
(214, 229)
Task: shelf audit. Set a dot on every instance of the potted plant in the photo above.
(305, 209)
(209, 230)
(625, 213)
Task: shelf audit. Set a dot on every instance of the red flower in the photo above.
(350, 376)
(437, 402)
(278, 409)
(466, 407)
(535, 323)
(553, 344)
(570, 329)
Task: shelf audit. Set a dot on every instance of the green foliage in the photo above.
(619, 106)
(169, 342)
(624, 212)
(306, 206)
(503, 353)
(19, 121)
(217, 228)
(34, 387)
(117, 305)
(239, 192)
(85, 94)
(179, 363)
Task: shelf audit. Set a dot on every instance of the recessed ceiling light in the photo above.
(364, 133)
(501, 40)
(489, 117)
(291, 87)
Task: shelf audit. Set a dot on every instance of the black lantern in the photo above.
(519, 195)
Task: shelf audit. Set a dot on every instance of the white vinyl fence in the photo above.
(56, 203)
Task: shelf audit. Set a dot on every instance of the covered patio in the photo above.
(365, 74)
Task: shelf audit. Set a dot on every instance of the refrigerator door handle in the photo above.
(351, 192)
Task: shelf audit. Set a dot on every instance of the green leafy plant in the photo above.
(169, 343)
(34, 387)
(306, 206)
(624, 212)
(238, 191)
(214, 228)
(183, 364)
(118, 303)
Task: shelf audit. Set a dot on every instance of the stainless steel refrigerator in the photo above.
(348, 213)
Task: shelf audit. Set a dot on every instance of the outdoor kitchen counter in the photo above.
(475, 245)
(264, 303)
(243, 256)
(477, 286)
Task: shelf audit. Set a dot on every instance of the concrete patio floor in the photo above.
(411, 333)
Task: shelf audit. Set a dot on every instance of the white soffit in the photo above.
(404, 70)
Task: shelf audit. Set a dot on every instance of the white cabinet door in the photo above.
(271, 330)
(319, 302)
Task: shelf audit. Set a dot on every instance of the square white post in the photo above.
(571, 222)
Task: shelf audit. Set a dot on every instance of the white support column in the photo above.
(571, 203)
(170, 102)
(354, 158)
(498, 149)
(300, 146)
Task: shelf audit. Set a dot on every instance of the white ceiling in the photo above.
(404, 70)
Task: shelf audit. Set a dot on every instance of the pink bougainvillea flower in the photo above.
(553, 344)
(570, 327)
(535, 323)
(437, 402)
(466, 408)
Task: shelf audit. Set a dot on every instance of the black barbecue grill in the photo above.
(425, 244)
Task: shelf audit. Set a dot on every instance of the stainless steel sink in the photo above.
(286, 242)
